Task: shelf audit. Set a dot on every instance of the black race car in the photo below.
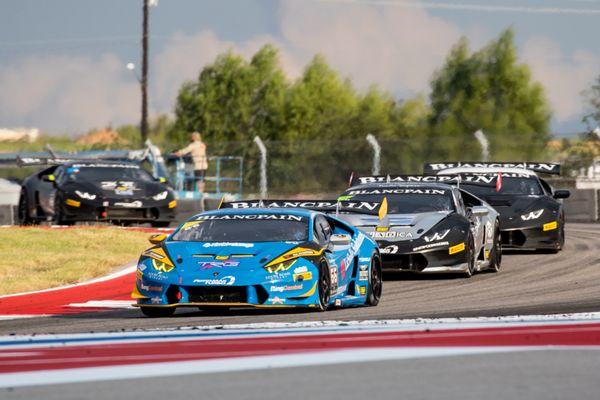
(94, 190)
(531, 212)
(428, 227)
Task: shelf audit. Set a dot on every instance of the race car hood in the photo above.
(400, 226)
(511, 208)
(204, 259)
(117, 190)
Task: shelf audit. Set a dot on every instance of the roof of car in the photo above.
(394, 185)
(286, 211)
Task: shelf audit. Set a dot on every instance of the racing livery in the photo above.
(531, 212)
(93, 190)
(430, 227)
(240, 256)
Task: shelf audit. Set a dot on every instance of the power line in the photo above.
(469, 7)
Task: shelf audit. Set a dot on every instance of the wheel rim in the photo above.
(376, 286)
(498, 251)
(471, 258)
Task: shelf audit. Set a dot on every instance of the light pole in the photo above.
(144, 77)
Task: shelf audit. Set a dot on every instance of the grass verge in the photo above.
(41, 258)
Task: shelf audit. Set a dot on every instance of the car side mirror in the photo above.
(340, 239)
(49, 178)
(561, 194)
(479, 211)
(157, 238)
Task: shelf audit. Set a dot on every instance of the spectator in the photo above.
(197, 149)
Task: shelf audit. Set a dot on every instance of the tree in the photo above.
(592, 95)
(487, 90)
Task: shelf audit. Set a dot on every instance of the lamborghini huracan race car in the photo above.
(430, 227)
(93, 190)
(531, 212)
(258, 257)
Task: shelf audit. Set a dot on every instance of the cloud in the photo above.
(67, 94)
(563, 76)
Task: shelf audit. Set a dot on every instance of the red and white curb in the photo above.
(49, 359)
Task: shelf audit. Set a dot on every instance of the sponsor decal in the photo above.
(133, 204)
(550, 226)
(285, 288)
(302, 274)
(357, 205)
(301, 269)
(162, 266)
(276, 300)
(149, 288)
(539, 167)
(397, 191)
(430, 246)
(218, 264)
(141, 267)
(362, 290)
(457, 249)
(389, 250)
(391, 235)
(156, 276)
(278, 276)
(72, 203)
(224, 281)
(364, 259)
(228, 244)
(382, 228)
(226, 257)
(156, 300)
(341, 289)
(363, 275)
(252, 217)
(405, 178)
(338, 302)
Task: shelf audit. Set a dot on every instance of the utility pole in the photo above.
(144, 80)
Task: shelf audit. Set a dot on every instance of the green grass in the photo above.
(41, 258)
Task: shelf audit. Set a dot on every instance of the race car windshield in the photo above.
(412, 203)
(508, 186)
(95, 174)
(244, 230)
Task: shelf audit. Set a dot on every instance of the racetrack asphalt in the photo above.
(527, 375)
(528, 283)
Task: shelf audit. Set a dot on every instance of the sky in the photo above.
(62, 62)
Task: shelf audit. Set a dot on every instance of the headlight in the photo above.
(282, 266)
(85, 195)
(161, 196)
(161, 266)
(532, 215)
(436, 236)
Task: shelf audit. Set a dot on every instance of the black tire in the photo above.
(562, 238)
(160, 224)
(470, 257)
(58, 217)
(375, 282)
(324, 286)
(158, 312)
(496, 256)
(23, 216)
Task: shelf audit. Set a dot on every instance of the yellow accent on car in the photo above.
(222, 258)
(456, 249)
(136, 294)
(550, 226)
(310, 292)
(383, 208)
(382, 228)
(295, 253)
(282, 266)
(306, 276)
(157, 238)
(162, 266)
(157, 253)
(362, 290)
(173, 204)
(72, 203)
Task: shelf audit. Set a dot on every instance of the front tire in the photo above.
(324, 286)
(23, 215)
(158, 312)
(496, 256)
(375, 283)
(470, 257)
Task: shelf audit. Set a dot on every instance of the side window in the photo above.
(469, 199)
(460, 204)
(322, 230)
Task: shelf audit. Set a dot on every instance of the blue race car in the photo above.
(259, 257)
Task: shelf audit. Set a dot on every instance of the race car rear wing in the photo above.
(545, 168)
(326, 206)
(363, 180)
(50, 161)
